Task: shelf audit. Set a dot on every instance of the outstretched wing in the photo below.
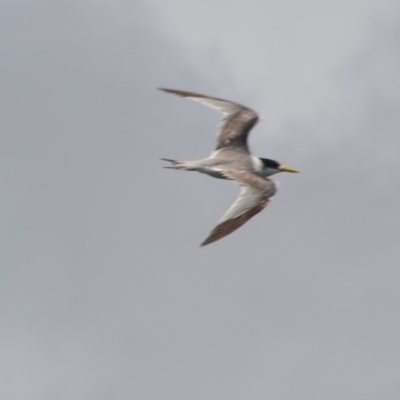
(254, 197)
(236, 123)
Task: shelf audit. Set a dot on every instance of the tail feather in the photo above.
(175, 164)
(169, 160)
(181, 165)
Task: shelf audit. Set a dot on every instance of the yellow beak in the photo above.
(284, 168)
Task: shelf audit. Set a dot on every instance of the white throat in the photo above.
(269, 171)
(258, 166)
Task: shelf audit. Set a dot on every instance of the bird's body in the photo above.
(220, 161)
(232, 160)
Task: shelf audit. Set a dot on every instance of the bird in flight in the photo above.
(231, 159)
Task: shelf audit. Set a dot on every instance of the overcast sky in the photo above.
(104, 290)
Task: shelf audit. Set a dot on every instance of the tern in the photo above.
(231, 159)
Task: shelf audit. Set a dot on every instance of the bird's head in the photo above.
(271, 167)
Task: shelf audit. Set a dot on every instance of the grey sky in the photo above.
(104, 291)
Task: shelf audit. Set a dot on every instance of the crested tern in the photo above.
(232, 160)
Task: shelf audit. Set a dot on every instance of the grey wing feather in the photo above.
(254, 197)
(237, 119)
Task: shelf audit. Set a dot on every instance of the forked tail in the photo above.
(174, 164)
(182, 165)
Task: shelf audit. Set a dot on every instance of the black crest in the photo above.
(268, 163)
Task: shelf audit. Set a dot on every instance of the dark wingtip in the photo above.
(166, 90)
(177, 92)
(206, 242)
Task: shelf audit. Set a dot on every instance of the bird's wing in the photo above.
(254, 197)
(236, 123)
